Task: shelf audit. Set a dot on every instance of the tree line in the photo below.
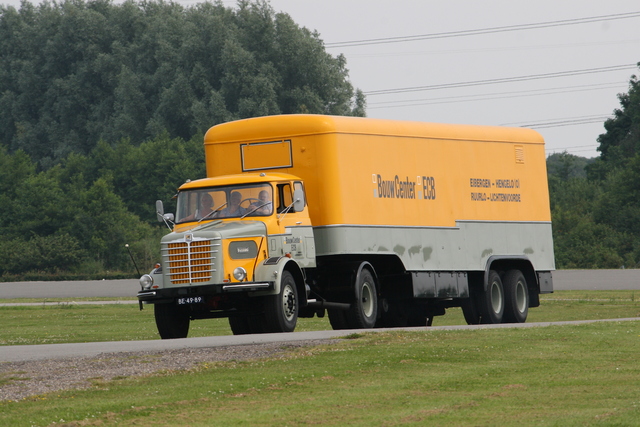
(76, 217)
(103, 109)
(595, 203)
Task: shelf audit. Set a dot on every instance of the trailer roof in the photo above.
(261, 128)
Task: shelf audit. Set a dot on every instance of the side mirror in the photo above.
(160, 210)
(298, 200)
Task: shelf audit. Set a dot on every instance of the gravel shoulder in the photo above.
(20, 380)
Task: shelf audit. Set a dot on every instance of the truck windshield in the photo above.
(224, 202)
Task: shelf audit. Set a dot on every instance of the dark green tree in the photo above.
(621, 141)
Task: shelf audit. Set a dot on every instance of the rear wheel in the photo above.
(492, 300)
(516, 296)
(172, 320)
(364, 310)
(281, 310)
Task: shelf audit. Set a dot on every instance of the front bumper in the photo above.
(171, 294)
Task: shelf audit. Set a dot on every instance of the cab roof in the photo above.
(238, 179)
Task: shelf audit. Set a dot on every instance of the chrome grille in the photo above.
(191, 261)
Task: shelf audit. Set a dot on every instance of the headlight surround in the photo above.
(240, 274)
(146, 281)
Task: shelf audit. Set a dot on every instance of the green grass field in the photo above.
(550, 376)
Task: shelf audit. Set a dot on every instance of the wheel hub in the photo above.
(289, 303)
(367, 302)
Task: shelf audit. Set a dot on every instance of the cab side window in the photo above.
(285, 196)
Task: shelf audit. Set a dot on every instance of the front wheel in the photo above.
(364, 310)
(172, 320)
(281, 310)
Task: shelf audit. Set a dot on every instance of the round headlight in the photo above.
(240, 274)
(146, 281)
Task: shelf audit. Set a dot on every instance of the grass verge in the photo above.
(549, 376)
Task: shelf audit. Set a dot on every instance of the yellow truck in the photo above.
(377, 223)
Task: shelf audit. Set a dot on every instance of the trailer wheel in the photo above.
(281, 311)
(364, 310)
(516, 293)
(172, 320)
(492, 300)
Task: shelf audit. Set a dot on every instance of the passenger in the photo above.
(233, 207)
(204, 210)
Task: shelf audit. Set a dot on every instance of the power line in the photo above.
(489, 96)
(491, 30)
(395, 53)
(561, 122)
(502, 80)
(601, 117)
(555, 150)
(591, 146)
(566, 123)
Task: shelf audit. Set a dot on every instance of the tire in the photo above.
(338, 319)
(239, 325)
(395, 317)
(516, 297)
(492, 300)
(172, 320)
(364, 309)
(418, 321)
(281, 311)
(247, 325)
(470, 309)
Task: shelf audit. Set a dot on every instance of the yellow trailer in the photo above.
(382, 223)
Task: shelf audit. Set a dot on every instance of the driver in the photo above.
(233, 208)
(263, 206)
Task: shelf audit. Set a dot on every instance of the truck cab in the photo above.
(235, 240)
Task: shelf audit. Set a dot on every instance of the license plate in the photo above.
(190, 300)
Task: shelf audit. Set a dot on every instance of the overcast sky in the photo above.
(566, 81)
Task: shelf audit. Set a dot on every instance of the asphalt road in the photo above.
(70, 289)
(20, 353)
(596, 280)
(562, 280)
